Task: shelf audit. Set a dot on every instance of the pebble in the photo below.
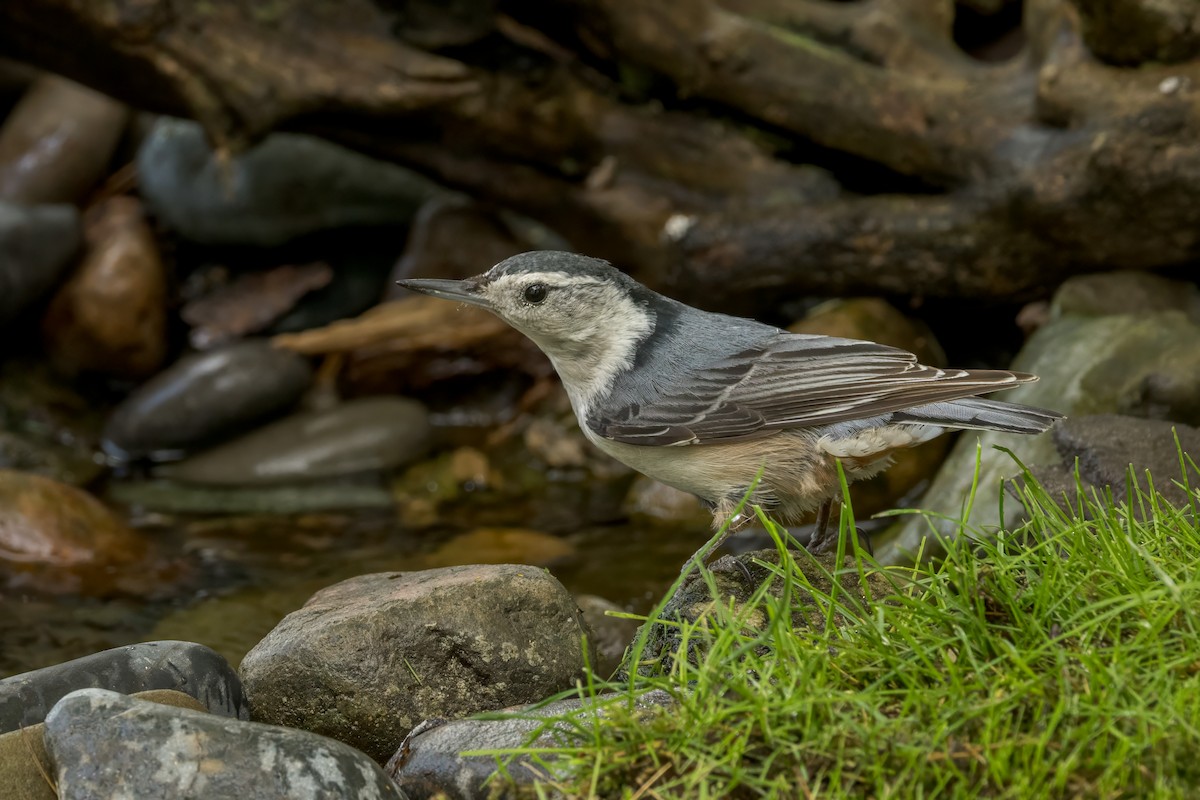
(205, 397)
(430, 763)
(110, 316)
(287, 186)
(36, 245)
(57, 142)
(25, 766)
(105, 744)
(367, 659)
(366, 435)
(186, 667)
(56, 538)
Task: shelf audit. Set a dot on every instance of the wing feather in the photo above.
(792, 381)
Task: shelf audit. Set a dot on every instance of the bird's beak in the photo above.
(467, 291)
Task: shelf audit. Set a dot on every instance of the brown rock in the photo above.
(110, 315)
(25, 766)
(499, 546)
(652, 502)
(58, 538)
(57, 142)
(251, 303)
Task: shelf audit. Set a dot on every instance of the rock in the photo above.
(1124, 292)
(611, 635)
(287, 186)
(25, 766)
(36, 244)
(55, 537)
(737, 579)
(656, 503)
(57, 142)
(366, 659)
(204, 397)
(52, 429)
(50, 459)
(1145, 365)
(499, 546)
(110, 316)
(371, 434)
(1107, 445)
(429, 764)
(104, 744)
(186, 667)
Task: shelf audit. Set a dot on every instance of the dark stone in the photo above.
(358, 284)
(204, 397)
(287, 186)
(428, 763)
(1107, 444)
(187, 667)
(25, 766)
(36, 244)
(370, 434)
(105, 744)
(366, 659)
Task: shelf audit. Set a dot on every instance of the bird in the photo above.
(725, 407)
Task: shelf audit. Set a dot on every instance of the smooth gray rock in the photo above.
(184, 666)
(287, 186)
(1124, 292)
(364, 435)
(204, 397)
(366, 659)
(1106, 445)
(428, 763)
(107, 745)
(36, 245)
(1145, 365)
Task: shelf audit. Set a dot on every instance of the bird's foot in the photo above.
(829, 543)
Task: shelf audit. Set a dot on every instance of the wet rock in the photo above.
(1124, 292)
(287, 186)
(736, 579)
(611, 635)
(71, 465)
(204, 397)
(656, 503)
(110, 316)
(105, 744)
(367, 659)
(55, 537)
(1106, 446)
(1143, 365)
(25, 766)
(186, 667)
(429, 763)
(250, 303)
(36, 244)
(499, 546)
(371, 434)
(57, 142)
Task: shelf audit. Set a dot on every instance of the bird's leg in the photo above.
(823, 541)
(820, 541)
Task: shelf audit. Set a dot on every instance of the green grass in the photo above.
(1058, 660)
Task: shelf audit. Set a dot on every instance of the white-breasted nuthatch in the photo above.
(703, 401)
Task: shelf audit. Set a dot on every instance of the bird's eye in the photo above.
(535, 293)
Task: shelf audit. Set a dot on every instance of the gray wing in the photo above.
(790, 381)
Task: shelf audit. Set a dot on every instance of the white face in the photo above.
(587, 326)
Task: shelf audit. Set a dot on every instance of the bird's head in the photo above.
(569, 304)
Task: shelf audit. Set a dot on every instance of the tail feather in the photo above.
(977, 413)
